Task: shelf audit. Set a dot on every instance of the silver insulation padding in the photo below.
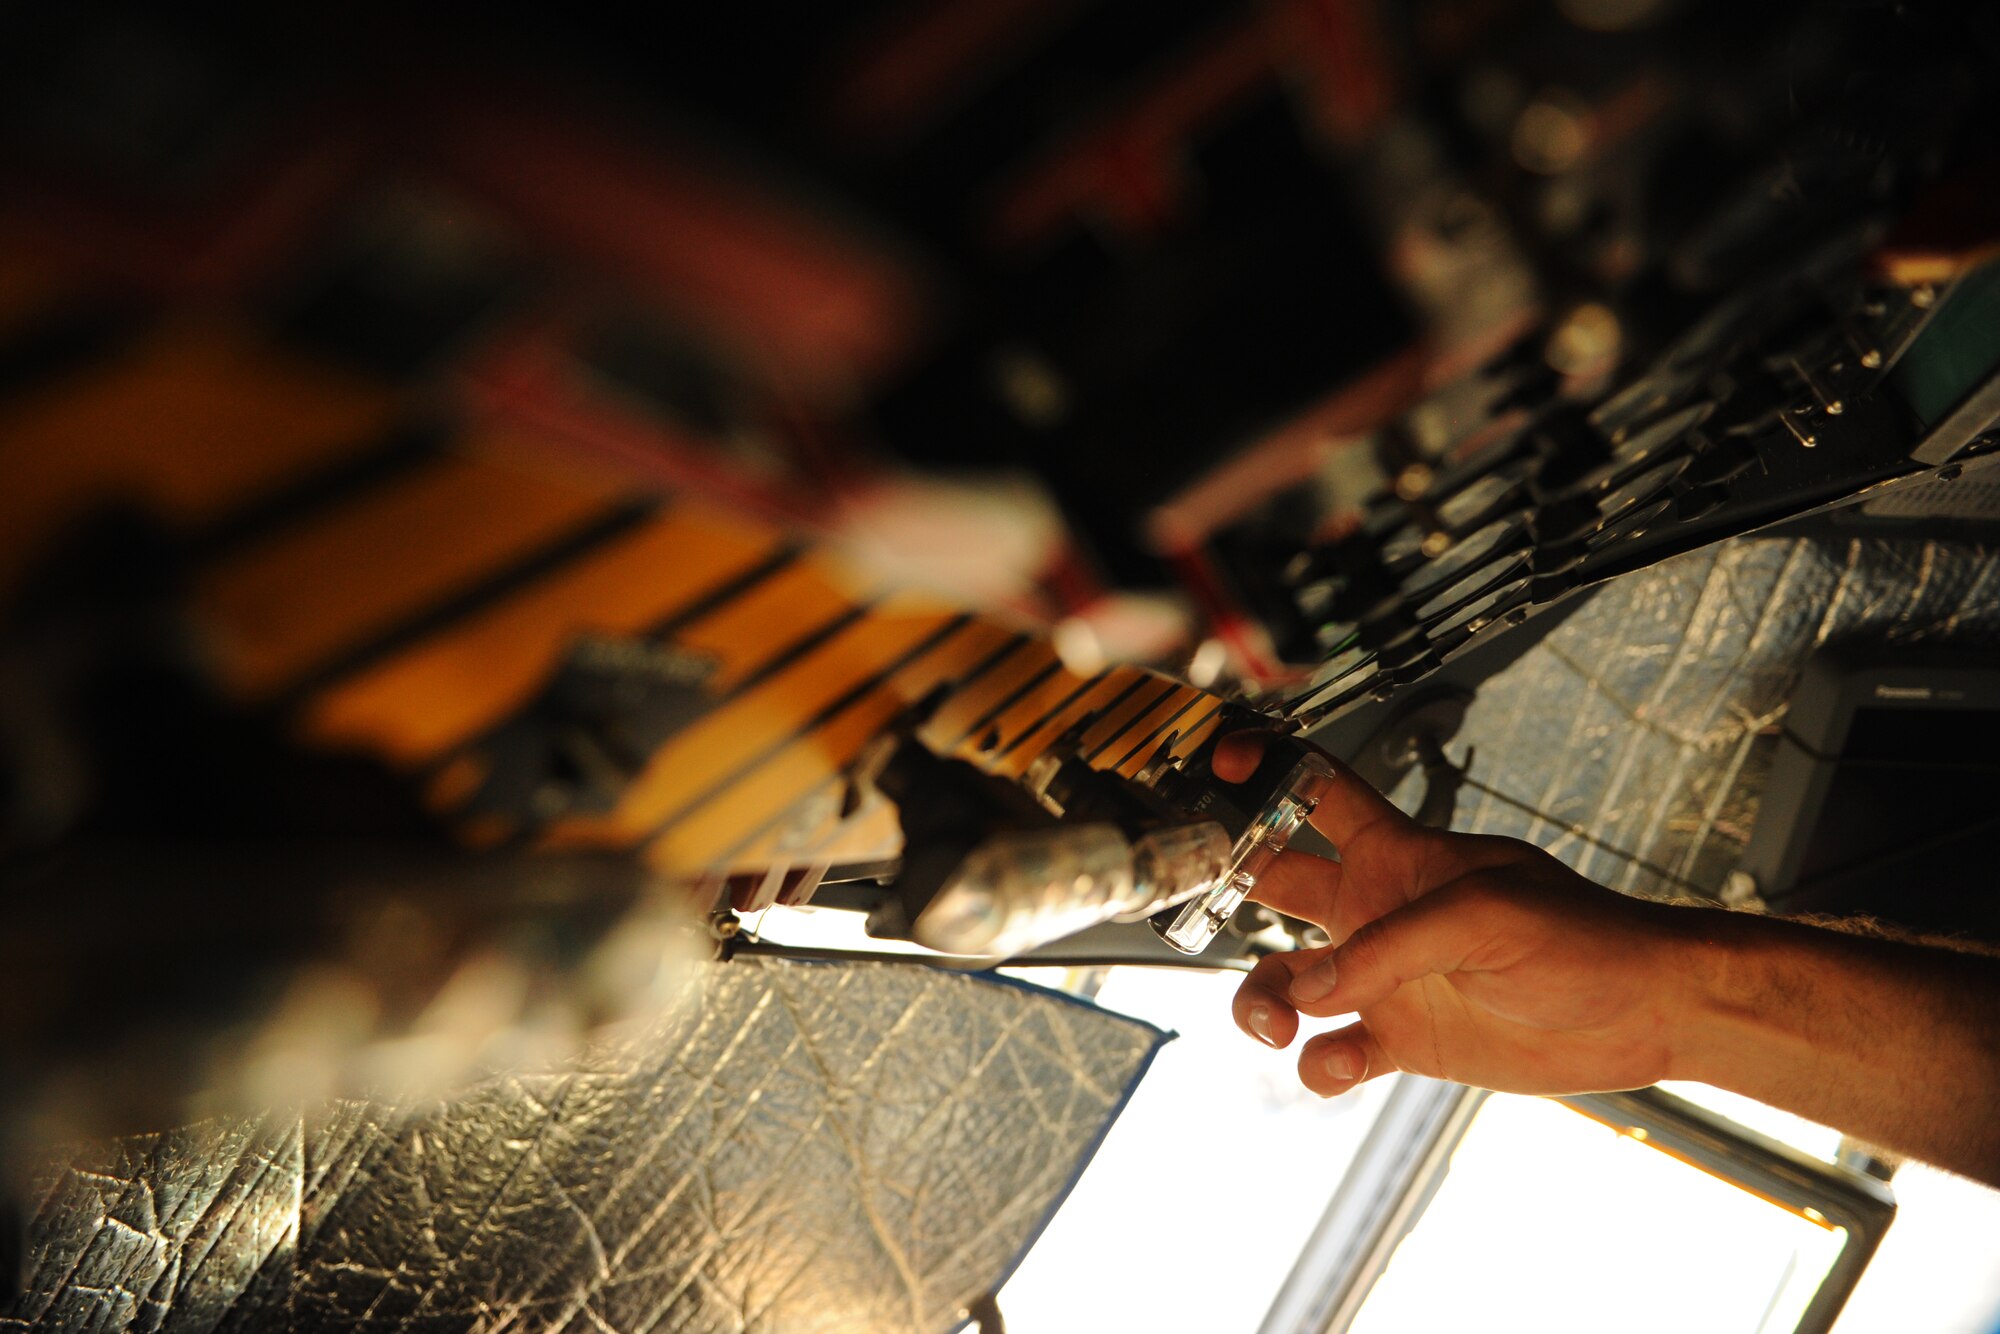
(800, 1147)
(1642, 728)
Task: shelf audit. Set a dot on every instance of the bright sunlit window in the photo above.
(1552, 1222)
(1195, 1208)
(1192, 1213)
(1939, 1268)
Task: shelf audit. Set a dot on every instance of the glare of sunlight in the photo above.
(1191, 1214)
(1818, 1140)
(1193, 1211)
(1939, 1267)
(1552, 1222)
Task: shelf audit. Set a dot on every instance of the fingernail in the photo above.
(1260, 1024)
(1316, 983)
(1341, 1065)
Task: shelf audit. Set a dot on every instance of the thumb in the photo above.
(1434, 934)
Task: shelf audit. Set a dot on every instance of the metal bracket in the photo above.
(1413, 737)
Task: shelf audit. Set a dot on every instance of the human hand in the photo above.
(1467, 957)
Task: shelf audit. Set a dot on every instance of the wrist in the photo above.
(1722, 963)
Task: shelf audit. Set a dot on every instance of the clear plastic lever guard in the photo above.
(1256, 848)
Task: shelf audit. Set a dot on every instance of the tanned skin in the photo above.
(1486, 961)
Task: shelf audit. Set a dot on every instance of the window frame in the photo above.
(1406, 1158)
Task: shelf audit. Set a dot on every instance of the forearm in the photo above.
(1893, 1042)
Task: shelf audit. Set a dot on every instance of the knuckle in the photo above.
(1476, 894)
(1498, 847)
(1481, 897)
(1363, 951)
(1268, 975)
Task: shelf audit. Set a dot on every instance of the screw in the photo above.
(1950, 474)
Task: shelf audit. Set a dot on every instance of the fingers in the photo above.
(1236, 755)
(1335, 1062)
(1299, 885)
(1434, 934)
(1262, 1008)
(1329, 1064)
(1349, 806)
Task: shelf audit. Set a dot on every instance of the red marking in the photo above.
(788, 289)
(1125, 170)
(1352, 71)
(1289, 455)
(902, 79)
(213, 248)
(1071, 581)
(1246, 640)
(531, 380)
